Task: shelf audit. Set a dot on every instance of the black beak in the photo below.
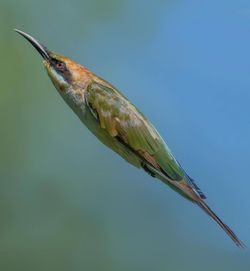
(43, 51)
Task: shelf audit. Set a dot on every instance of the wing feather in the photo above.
(126, 124)
(123, 120)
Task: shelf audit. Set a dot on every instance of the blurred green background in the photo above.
(67, 202)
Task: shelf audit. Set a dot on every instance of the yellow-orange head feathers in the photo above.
(64, 71)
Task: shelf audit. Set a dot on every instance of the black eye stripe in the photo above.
(61, 68)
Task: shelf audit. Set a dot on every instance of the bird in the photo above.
(120, 125)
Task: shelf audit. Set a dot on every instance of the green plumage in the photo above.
(127, 125)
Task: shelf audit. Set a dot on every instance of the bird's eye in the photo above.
(60, 65)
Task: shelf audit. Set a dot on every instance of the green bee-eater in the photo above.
(118, 124)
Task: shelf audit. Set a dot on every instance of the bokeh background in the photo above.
(69, 203)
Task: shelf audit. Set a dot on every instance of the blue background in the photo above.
(69, 203)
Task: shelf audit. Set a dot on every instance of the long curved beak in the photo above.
(43, 51)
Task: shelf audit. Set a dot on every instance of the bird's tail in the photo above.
(228, 231)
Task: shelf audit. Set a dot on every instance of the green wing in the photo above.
(127, 130)
(124, 122)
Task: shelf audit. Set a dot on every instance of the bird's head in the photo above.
(63, 72)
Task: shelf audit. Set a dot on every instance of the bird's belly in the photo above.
(94, 126)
